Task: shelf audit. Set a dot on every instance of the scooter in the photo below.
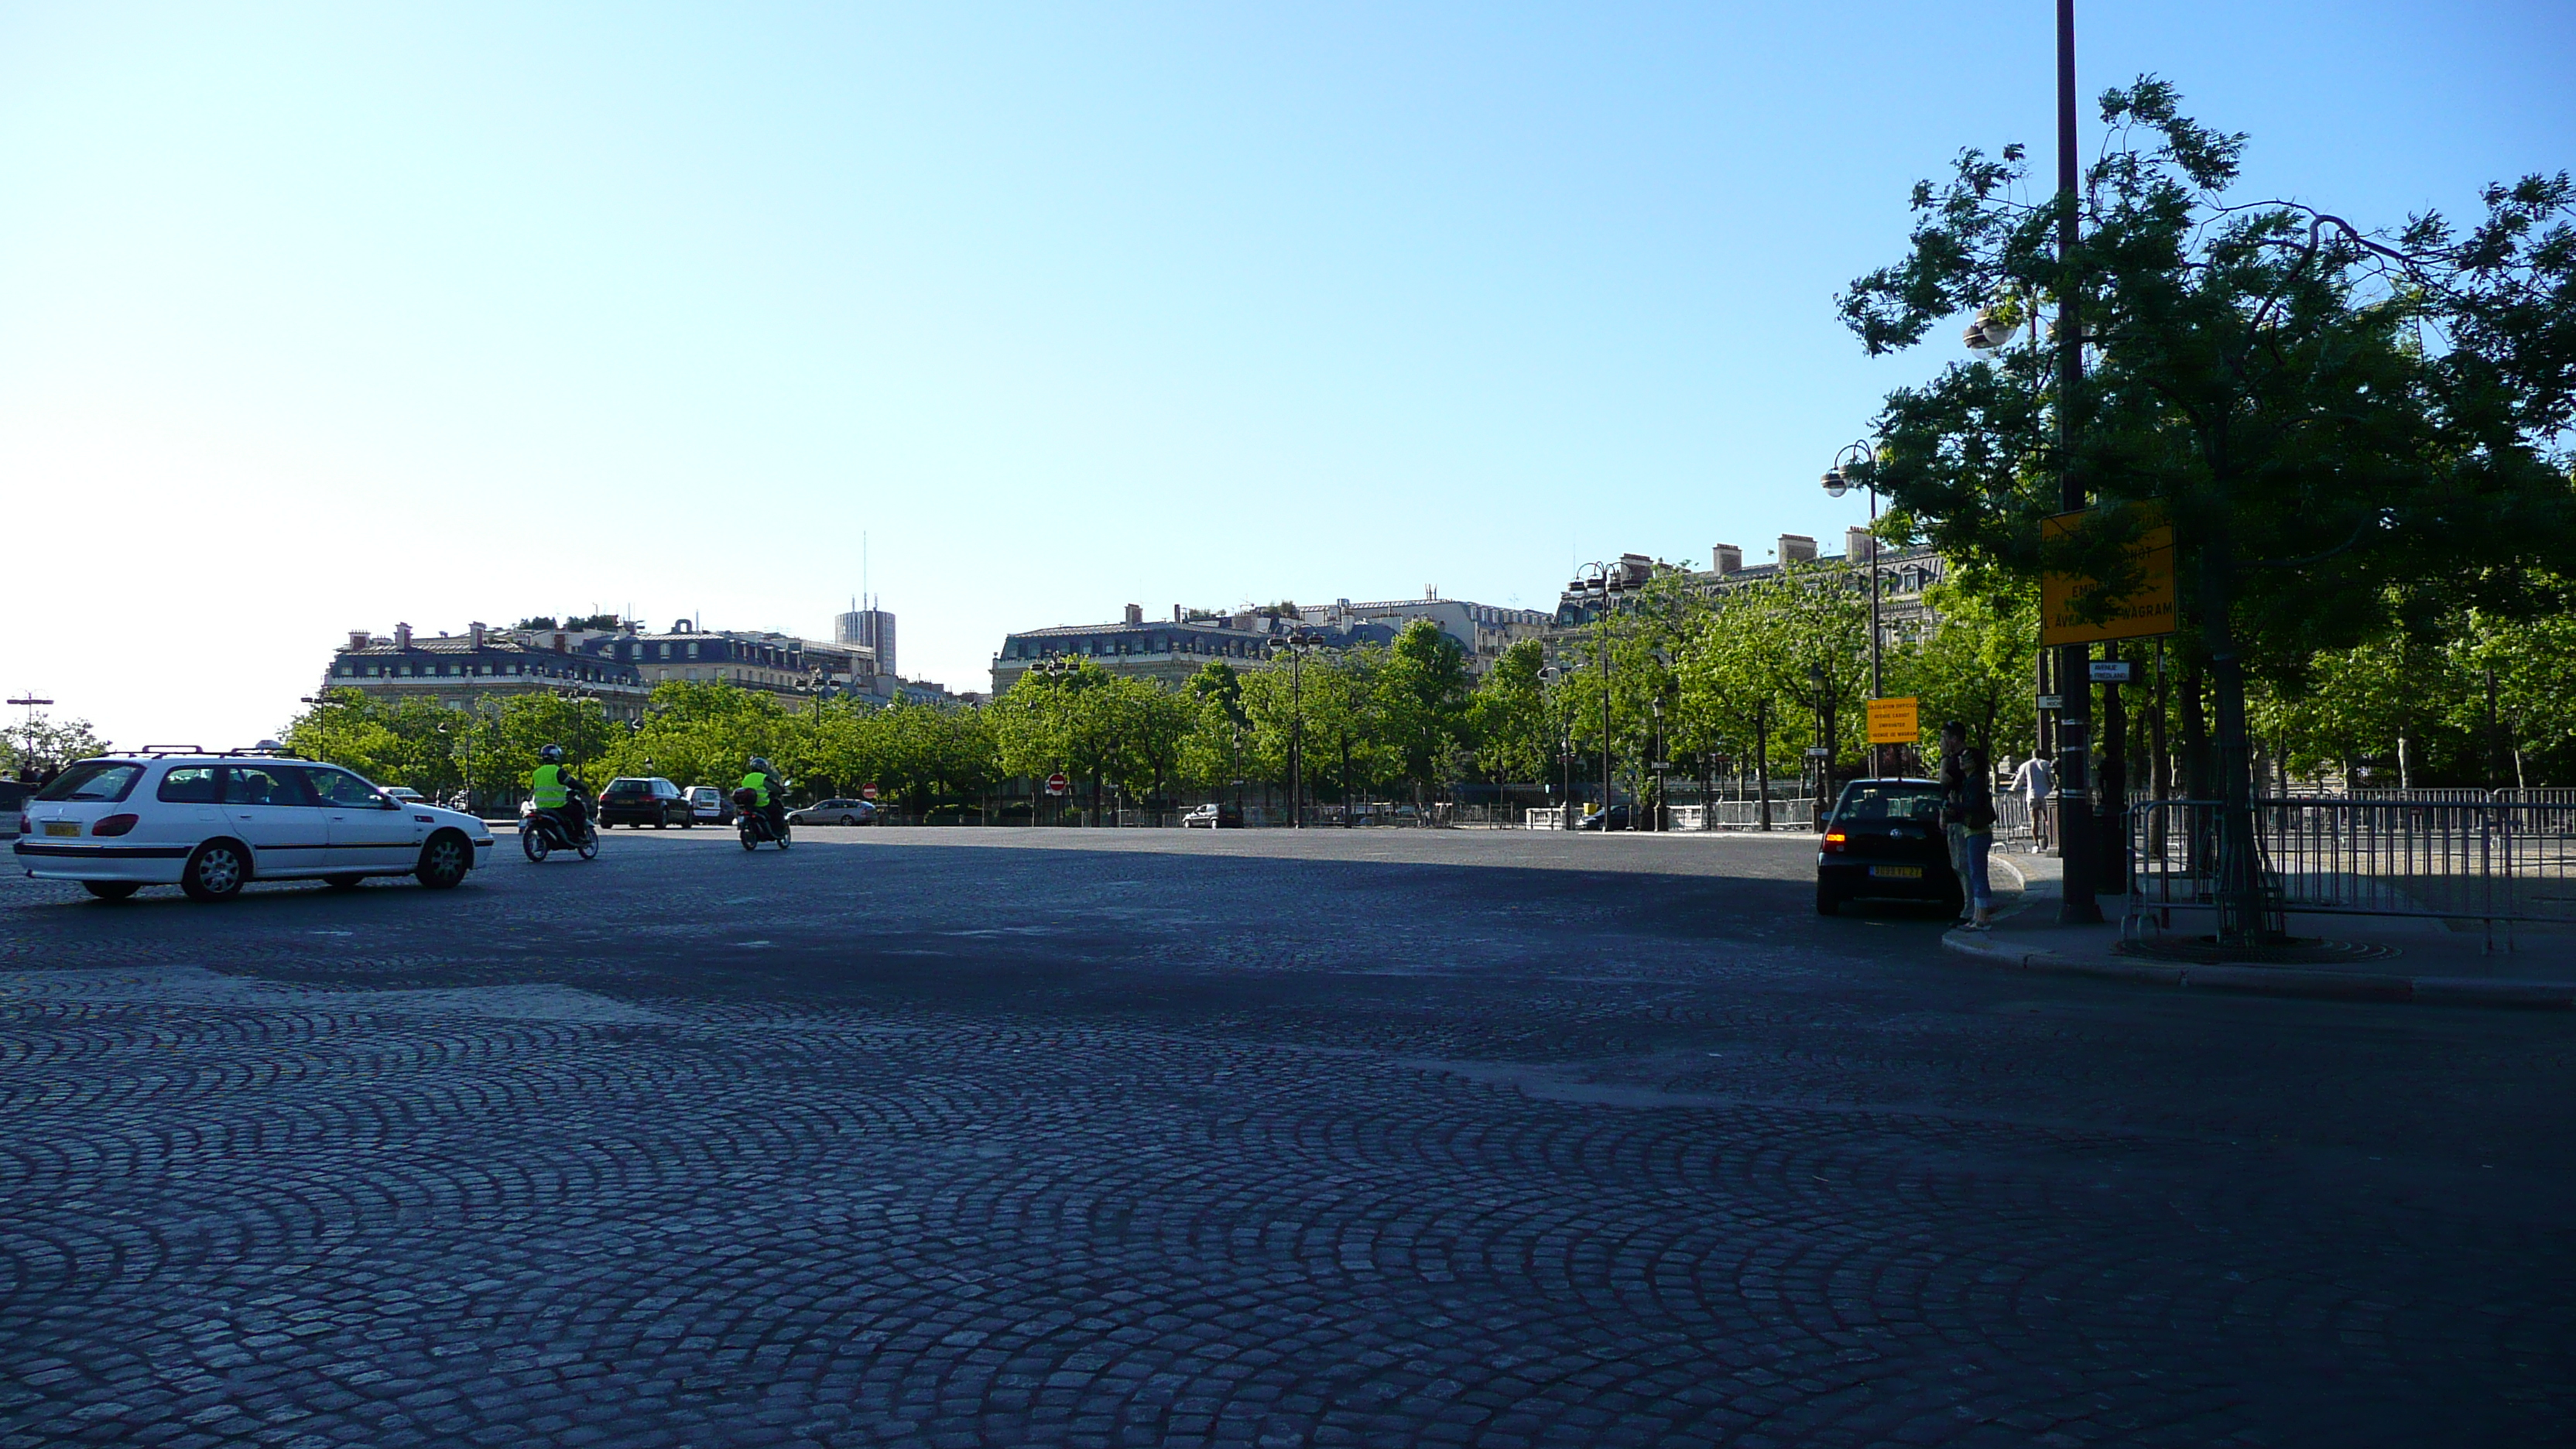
(541, 833)
(753, 821)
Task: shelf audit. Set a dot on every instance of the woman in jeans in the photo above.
(1978, 797)
(1968, 818)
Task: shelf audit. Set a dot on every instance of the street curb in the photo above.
(2272, 980)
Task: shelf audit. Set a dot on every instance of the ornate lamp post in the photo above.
(1839, 481)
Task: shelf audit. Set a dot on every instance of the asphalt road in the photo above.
(963, 1137)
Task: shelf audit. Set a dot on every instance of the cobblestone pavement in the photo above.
(963, 1137)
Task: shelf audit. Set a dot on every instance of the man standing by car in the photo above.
(1954, 803)
(556, 791)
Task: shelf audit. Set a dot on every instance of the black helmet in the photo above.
(551, 754)
(760, 763)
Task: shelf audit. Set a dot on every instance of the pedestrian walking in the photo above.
(2037, 785)
(1954, 803)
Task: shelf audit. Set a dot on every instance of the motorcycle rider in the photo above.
(557, 792)
(769, 795)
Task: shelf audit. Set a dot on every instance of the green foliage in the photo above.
(1977, 664)
(38, 739)
(1417, 706)
(1511, 718)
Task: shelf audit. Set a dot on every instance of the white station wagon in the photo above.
(210, 824)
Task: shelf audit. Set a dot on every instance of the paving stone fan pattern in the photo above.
(903, 1142)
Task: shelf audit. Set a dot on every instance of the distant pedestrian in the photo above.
(1953, 775)
(2036, 784)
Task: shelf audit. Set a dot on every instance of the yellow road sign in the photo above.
(1895, 721)
(2143, 612)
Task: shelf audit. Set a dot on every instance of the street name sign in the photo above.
(1895, 721)
(2114, 671)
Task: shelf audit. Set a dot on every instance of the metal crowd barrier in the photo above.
(2481, 859)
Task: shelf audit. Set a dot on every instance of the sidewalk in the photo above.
(2431, 964)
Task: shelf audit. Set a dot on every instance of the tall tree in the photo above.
(2320, 411)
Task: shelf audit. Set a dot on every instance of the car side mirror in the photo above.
(387, 802)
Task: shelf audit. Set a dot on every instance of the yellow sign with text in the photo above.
(2143, 612)
(1895, 722)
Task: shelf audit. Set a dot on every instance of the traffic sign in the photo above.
(867, 792)
(2114, 671)
(1057, 784)
(2144, 609)
(2052, 701)
(1817, 752)
(1895, 721)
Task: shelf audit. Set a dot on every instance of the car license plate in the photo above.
(1897, 872)
(62, 827)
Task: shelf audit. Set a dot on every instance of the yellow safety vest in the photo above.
(758, 785)
(547, 787)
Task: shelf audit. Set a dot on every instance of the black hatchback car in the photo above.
(638, 801)
(1885, 841)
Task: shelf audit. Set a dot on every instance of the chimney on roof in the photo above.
(1797, 548)
(1176, 613)
(357, 638)
(1725, 558)
(1135, 613)
(559, 641)
(402, 636)
(1859, 545)
(474, 631)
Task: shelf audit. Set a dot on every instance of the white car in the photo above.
(835, 812)
(210, 824)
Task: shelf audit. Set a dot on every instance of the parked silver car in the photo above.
(835, 812)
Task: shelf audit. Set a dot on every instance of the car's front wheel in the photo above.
(444, 861)
(111, 890)
(216, 872)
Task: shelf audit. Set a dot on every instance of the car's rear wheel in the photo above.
(1828, 900)
(216, 872)
(111, 890)
(344, 882)
(444, 861)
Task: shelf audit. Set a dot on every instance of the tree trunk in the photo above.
(2242, 918)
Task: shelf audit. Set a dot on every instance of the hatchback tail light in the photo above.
(115, 825)
(1835, 841)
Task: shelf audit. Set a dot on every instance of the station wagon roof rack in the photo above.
(158, 751)
(267, 749)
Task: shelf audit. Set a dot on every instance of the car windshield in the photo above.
(1911, 801)
(93, 780)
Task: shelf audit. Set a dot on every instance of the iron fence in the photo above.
(2482, 859)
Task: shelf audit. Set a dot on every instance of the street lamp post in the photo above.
(1599, 578)
(1296, 646)
(2076, 845)
(1658, 761)
(1837, 483)
(1052, 666)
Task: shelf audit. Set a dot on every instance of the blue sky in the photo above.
(319, 318)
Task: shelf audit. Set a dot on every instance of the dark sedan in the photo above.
(639, 801)
(1884, 841)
